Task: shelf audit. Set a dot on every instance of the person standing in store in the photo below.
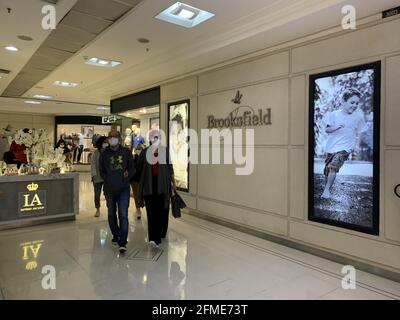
(101, 144)
(81, 145)
(117, 169)
(135, 181)
(156, 186)
(5, 140)
(19, 151)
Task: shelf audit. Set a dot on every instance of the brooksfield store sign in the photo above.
(242, 116)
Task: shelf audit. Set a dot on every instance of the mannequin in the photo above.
(128, 138)
(138, 139)
(134, 127)
(78, 142)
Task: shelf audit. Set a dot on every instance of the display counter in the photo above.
(38, 199)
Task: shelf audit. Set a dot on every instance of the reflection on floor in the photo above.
(199, 260)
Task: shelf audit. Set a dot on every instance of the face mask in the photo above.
(105, 145)
(62, 146)
(154, 140)
(114, 142)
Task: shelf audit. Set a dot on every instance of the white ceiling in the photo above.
(25, 19)
(49, 107)
(239, 27)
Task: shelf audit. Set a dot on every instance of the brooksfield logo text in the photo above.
(248, 119)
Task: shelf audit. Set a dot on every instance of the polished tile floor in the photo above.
(199, 260)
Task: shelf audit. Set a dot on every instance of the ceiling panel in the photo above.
(62, 44)
(37, 73)
(53, 55)
(73, 34)
(40, 62)
(86, 22)
(131, 2)
(106, 9)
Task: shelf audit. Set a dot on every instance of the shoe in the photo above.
(114, 242)
(97, 214)
(326, 195)
(122, 249)
(153, 244)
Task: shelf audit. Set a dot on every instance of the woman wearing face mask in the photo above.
(155, 188)
(62, 144)
(135, 181)
(100, 144)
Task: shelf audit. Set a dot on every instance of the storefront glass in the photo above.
(137, 123)
(79, 139)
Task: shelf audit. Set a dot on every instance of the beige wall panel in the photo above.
(261, 69)
(163, 116)
(188, 199)
(348, 47)
(179, 90)
(43, 119)
(20, 121)
(392, 202)
(16, 125)
(367, 249)
(241, 216)
(298, 192)
(265, 189)
(392, 111)
(192, 179)
(298, 111)
(273, 95)
(15, 118)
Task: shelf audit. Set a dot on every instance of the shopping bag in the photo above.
(176, 205)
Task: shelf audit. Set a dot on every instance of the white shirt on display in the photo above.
(345, 138)
(81, 139)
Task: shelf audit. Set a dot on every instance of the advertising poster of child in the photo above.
(343, 180)
(178, 142)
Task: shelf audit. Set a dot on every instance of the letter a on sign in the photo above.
(49, 20)
(49, 280)
(349, 21)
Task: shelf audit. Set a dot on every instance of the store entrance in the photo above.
(136, 124)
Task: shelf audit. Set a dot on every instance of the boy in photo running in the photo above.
(343, 127)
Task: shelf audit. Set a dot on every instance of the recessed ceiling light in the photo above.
(1, 77)
(42, 96)
(25, 38)
(65, 84)
(102, 62)
(184, 15)
(103, 108)
(33, 102)
(11, 48)
(143, 40)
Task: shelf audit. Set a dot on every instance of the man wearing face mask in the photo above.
(117, 169)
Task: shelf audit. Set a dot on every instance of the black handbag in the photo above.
(176, 205)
